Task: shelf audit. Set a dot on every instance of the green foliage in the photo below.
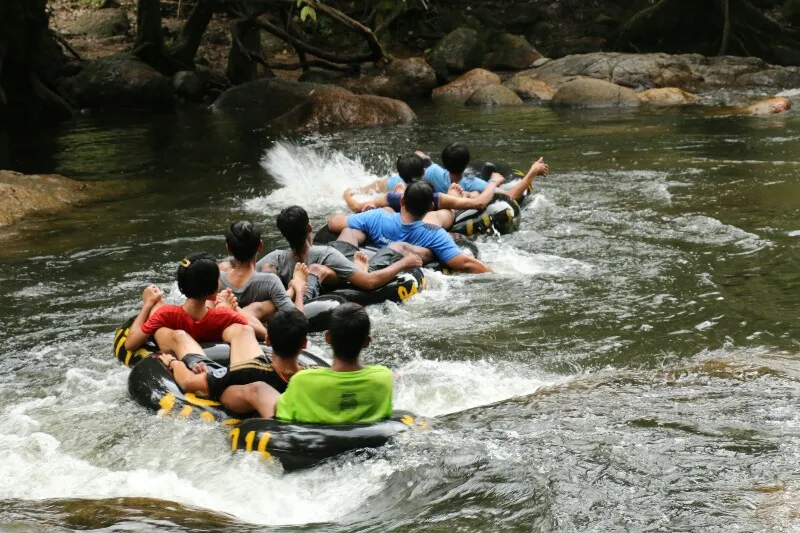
(308, 12)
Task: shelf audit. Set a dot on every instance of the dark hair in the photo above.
(293, 225)
(455, 157)
(418, 198)
(198, 275)
(287, 331)
(242, 239)
(348, 329)
(410, 167)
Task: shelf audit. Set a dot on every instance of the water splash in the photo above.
(315, 178)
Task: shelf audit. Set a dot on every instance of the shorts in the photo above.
(258, 369)
(313, 288)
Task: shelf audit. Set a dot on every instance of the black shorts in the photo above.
(258, 369)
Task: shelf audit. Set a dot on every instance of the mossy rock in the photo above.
(459, 51)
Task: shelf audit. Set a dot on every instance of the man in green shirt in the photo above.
(347, 392)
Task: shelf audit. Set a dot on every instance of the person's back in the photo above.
(384, 228)
(260, 287)
(325, 396)
(347, 392)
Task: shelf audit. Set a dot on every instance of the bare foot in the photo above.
(455, 190)
(300, 274)
(227, 299)
(361, 261)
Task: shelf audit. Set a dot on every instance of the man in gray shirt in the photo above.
(326, 265)
(260, 294)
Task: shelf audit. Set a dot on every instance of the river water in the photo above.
(631, 365)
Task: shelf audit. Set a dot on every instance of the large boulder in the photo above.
(590, 92)
(528, 88)
(493, 95)
(22, 194)
(119, 82)
(402, 78)
(462, 87)
(101, 23)
(333, 107)
(510, 52)
(688, 71)
(188, 84)
(270, 97)
(457, 52)
(668, 96)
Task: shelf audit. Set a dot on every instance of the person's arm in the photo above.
(136, 337)
(379, 278)
(464, 263)
(357, 207)
(478, 202)
(187, 380)
(375, 186)
(538, 168)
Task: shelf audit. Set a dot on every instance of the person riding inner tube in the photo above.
(152, 385)
(350, 276)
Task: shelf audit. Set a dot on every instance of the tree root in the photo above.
(63, 42)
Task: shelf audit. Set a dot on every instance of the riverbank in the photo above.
(23, 195)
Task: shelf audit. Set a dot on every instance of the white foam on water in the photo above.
(432, 388)
(508, 260)
(315, 178)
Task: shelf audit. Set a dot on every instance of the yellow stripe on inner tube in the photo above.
(487, 221)
(202, 402)
(407, 420)
(120, 333)
(470, 225)
(186, 411)
(248, 440)
(230, 421)
(404, 293)
(518, 172)
(205, 415)
(167, 402)
(262, 445)
(234, 434)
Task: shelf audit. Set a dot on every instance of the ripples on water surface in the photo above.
(631, 365)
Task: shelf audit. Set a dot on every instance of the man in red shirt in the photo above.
(180, 328)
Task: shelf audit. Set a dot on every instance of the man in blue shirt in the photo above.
(383, 229)
(411, 168)
(455, 158)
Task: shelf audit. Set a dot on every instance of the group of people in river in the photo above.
(232, 300)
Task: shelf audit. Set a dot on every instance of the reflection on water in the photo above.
(631, 365)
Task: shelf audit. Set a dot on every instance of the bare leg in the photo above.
(244, 345)
(177, 341)
(361, 261)
(444, 218)
(256, 396)
(353, 236)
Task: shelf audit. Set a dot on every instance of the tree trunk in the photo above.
(185, 48)
(709, 27)
(246, 42)
(149, 44)
(23, 36)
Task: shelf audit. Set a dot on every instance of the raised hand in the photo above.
(539, 168)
